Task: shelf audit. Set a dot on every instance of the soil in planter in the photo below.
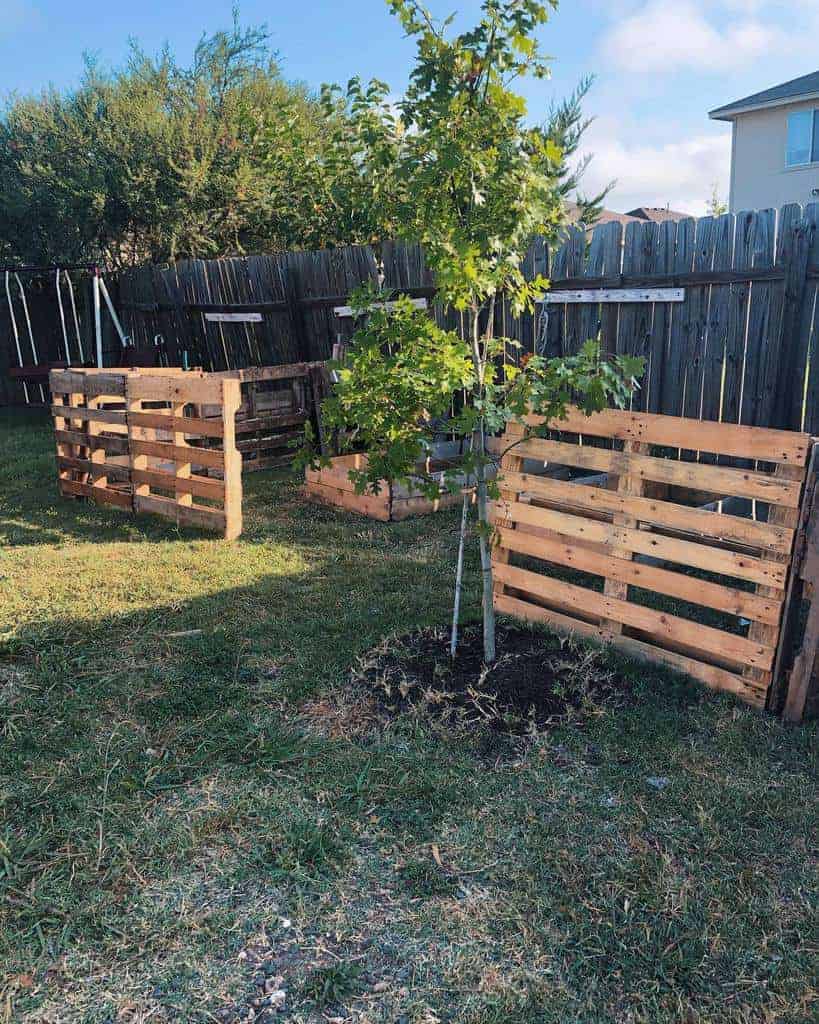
(536, 681)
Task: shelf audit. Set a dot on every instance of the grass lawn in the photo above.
(191, 825)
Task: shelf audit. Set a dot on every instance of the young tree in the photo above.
(475, 184)
(716, 205)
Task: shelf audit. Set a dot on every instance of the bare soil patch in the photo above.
(536, 681)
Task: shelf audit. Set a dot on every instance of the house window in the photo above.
(803, 138)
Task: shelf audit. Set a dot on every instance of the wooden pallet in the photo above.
(277, 402)
(636, 534)
(799, 649)
(331, 485)
(128, 439)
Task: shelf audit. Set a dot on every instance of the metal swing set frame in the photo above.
(36, 371)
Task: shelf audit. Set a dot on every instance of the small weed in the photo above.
(425, 878)
(331, 986)
(305, 846)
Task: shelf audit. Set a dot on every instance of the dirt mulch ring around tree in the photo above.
(537, 679)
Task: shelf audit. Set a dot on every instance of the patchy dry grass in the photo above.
(206, 827)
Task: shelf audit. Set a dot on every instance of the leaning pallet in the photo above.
(654, 536)
(129, 439)
(798, 659)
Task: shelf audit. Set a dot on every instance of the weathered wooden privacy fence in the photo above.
(741, 346)
(635, 523)
(175, 443)
(738, 348)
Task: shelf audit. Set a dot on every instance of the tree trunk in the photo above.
(479, 361)
(459, 575)
(486, 564)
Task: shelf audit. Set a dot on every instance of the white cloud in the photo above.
(679, 174)
(662, 36)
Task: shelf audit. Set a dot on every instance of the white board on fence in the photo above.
(342, 311)
(615, 295)
(234, 318)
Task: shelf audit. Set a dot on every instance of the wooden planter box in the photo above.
(332, 486)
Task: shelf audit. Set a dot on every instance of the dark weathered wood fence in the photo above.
(741, 347)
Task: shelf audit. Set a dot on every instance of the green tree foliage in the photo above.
(157, 161)
(473, 184)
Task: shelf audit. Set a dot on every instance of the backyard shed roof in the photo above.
(805, 87)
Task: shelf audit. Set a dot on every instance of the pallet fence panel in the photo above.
(128, 438)
(798, 679)
(728, 575)
(90, 430)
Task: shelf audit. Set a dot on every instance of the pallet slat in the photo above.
(716, 525)
(195, 426)
(202, 487)
(179, 453)
(762, 443)
(683, 552)
(661, 581)
(662, 625)
(738, 483)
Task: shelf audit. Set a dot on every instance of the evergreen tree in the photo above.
(565, 126)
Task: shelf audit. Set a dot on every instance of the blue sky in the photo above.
(660, 65)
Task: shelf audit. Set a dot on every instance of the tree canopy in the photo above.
(158, 160)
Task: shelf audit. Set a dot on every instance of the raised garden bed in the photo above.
(332, 485)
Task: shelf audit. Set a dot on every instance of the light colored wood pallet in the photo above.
(600, 531)
(373, 506)
(332, 485)
(162, 443)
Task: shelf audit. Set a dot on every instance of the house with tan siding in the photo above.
(775, 145)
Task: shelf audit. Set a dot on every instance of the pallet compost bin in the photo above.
(393, 502)
(175, 443)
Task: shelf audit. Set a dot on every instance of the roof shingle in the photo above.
(806, 85)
